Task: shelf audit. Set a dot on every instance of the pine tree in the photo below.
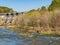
(55, 4)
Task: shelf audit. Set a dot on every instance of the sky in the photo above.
(25, 5)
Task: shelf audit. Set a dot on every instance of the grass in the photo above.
(47, 32)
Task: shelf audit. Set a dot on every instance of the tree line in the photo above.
(4, 9)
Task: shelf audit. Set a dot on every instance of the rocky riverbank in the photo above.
(40, 30)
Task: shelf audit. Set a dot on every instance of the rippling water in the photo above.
(8, 37)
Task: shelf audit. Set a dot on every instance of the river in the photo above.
(8, 37)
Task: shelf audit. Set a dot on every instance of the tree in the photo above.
(54, 4)
(43, 8)
(33, 12)
(5, 9)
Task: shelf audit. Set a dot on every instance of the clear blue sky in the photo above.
(25, 5)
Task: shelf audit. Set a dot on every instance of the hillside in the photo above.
(5, 9)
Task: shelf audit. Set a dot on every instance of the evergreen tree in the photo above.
(55, 4)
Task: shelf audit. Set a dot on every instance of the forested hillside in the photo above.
(5, 9)
(42, 20)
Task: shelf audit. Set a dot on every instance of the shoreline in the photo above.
(14, 28)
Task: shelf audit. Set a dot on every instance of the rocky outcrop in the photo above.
(7, 20)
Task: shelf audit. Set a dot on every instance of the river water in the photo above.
(8, 37)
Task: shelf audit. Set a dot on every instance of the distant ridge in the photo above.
(5, 10)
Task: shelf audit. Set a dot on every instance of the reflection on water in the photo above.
(8, 37)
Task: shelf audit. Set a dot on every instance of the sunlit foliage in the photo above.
(5, 9)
